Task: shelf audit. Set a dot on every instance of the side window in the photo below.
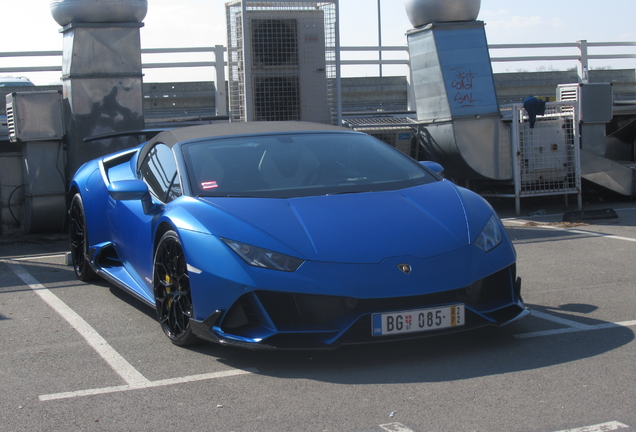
(159, 171)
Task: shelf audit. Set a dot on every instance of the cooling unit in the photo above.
(546, 150)
(284, 66)
(595, 100)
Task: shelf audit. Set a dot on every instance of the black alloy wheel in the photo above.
(79, 240)
(172, 290)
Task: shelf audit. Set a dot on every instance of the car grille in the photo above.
(298, 313)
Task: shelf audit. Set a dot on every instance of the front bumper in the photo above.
(280, 320)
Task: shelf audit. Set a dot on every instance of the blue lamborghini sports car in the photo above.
(291, 235)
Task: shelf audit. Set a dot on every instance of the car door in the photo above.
(135, 227)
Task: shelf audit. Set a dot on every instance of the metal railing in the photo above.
(216, 55)
(582, 55)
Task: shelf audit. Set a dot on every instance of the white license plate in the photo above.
(417, 320)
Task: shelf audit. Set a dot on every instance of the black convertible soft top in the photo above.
(172, 136)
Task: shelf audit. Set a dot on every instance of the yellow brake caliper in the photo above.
(168, 281)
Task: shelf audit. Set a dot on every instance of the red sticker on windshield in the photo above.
(209, 185)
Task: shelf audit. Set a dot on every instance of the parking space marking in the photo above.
(134, 379)
(119, 364)
(34, 257)
(522, 222)
(559, 320)
(593, 234)
(572, 326)
(603, 427)
(148, 384)
(395, 427)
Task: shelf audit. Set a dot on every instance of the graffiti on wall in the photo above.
(463, 82)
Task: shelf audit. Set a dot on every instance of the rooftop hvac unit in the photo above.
(595, 100)
(285, 67)
(35, 120)
(35, 116)
(546, 150)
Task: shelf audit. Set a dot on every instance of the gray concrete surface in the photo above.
(570, 365)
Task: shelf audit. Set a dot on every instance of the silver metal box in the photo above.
(35, 116)
(595, 100)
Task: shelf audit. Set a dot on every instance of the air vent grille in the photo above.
(11, 119)
(275, 42)
(276, 98)
(568, 93)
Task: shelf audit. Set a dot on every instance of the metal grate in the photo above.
(276, 98)
(380, 122)
(398, 132)
(274, 42)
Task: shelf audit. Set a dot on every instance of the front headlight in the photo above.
(490, 236)
(259, 257)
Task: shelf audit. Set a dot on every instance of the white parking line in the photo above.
(34, 257)
(563, 321)
(133, 378)
(149, 384)
(119, 364)
(395, 427)
(572, 326)
(603, 427)
(574, 330)
(592, 233)
(522, 222)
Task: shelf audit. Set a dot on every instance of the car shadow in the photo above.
(128, 298)
(459, 356)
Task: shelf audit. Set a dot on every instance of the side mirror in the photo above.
(126, 190)
(130, 190)
(433, 166)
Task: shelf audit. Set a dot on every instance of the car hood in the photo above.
(422, 221)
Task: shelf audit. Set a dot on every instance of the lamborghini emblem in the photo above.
(405, 268)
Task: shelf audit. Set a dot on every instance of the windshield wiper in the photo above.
(349, 192)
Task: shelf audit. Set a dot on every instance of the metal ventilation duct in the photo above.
(456, 101)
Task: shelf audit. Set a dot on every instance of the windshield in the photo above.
(301, 164)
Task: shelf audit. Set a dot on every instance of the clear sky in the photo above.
(196, 23)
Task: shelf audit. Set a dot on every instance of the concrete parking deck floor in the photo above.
(79, 356)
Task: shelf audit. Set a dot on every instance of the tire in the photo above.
(171, 284)
(78, 240)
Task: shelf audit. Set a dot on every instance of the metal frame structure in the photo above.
(546, 157)
(398, 132)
